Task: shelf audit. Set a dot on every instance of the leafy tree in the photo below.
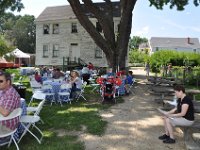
(10, 4)
(136, 41)
(23, 34)
(4, 48)
(180, 4)
(114, 48)
(7, 21)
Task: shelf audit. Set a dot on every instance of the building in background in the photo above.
(59, 34)
(179, 44)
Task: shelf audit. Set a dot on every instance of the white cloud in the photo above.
(141, 32)
(162, 28)
(196, 29)
(188, 13)
(174, 24)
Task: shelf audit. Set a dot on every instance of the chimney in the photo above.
(188, 40)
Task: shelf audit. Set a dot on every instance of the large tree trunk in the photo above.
(125, 30)
(115, 50)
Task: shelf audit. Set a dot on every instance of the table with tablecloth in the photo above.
(56, 89)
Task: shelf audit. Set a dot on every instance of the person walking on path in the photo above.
(147, 69)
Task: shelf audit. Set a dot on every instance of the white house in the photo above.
(59, 34)
(179, 44)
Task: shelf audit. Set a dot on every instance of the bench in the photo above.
(192, 136)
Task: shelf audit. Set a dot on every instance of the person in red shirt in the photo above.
(38, 78)
(121, 72)
(90, 66)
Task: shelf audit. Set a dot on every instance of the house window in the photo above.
(46, 28)
(55, 28)
(74, 28)
(157, 48)
(98, 53)
(55, 50)
(45, 50)
(98, 27)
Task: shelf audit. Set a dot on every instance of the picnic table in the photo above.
(161, 81)
(162, 91)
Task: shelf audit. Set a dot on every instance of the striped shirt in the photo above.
(10, 100)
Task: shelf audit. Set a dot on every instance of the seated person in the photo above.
(121, 72)
(121, 90)
(76, 83)
(128, 81)
(181, 115)
(90, 66)
(110, 73)
(37, 77)
(129, 78)
(85, 74)
(9, 100)
(57, 74)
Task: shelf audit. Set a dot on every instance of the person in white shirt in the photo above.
(85, 74)
(76, 83)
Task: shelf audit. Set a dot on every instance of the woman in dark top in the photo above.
(182, 115)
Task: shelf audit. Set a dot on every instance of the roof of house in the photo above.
(174, 42)
(144, 45)
(66, 12)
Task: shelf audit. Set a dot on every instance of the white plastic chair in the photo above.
(64, 92)
(36, 110)
(28, 121)
(131, 86)
(14, 114)
(39, 95)
(80, 94)
(35, 85)
(48, 90)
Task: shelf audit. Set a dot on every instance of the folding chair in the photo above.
(14, 114)
(131, 86)
(64, 93)
(39, 95)
(35, 85)
(80, 94)
(36, 110)
(48, 90)
(28, 121)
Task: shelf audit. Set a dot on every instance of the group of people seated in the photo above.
(126, 77)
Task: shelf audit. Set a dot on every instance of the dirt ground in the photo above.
(134, 124)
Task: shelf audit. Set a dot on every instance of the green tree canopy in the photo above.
(23, 34)
(179, 4)
(10, 4)
(4, 48)
(136, 41)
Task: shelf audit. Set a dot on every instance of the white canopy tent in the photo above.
(19, 54)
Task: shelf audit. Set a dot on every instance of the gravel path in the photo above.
(133, 125)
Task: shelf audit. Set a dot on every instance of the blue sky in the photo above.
(147, 21)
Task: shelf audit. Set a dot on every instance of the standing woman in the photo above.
(182, 115)
(147, 69)
(76, 83)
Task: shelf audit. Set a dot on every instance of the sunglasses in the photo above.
(1, 81)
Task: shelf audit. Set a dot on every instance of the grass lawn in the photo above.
(62, 125)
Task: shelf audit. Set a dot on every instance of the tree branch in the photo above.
(89, 27)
